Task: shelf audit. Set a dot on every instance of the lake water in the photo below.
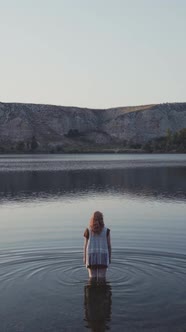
(46, 202)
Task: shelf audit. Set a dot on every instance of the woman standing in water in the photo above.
(97, 247)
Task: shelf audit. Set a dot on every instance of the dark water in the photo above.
(45, 205)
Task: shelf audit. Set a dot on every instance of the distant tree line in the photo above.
(30, 145)
(172, 142)
(21, 146)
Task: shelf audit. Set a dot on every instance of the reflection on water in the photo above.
(98, 305)
(162, 182)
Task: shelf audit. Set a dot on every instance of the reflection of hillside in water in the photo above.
(98, 306)
(168, 182)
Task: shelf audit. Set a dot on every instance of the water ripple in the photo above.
(131, 269)
(146, 284)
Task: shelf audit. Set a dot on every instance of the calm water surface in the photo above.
(45, 204)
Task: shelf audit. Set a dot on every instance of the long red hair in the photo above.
(96, 222)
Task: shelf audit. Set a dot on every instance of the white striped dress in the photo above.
(97, 249)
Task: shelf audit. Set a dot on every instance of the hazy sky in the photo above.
(93, 53)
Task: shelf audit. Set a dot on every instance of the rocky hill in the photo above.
(25, 127)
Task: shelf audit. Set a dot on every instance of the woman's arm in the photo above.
(84, 250)
(109, 246)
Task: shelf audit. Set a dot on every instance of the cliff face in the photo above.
(147, 122)
(65, 126)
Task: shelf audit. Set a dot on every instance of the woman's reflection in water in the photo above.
(98, 305)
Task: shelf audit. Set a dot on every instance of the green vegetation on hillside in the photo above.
(172, 142)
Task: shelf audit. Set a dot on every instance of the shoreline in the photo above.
(110, 151)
